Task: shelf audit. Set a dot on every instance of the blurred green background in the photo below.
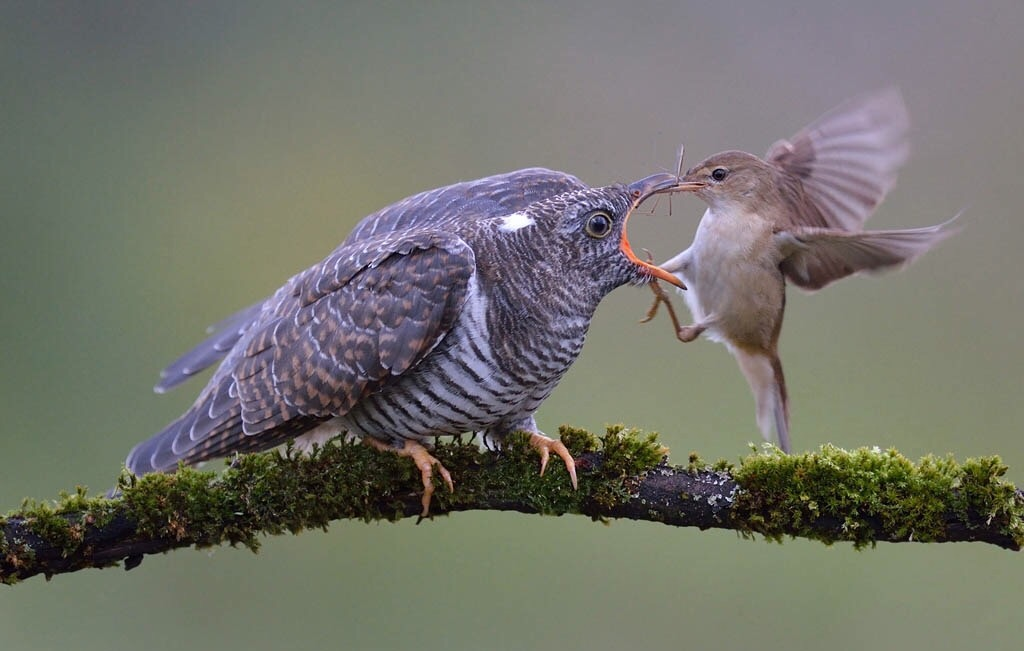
(164, 164)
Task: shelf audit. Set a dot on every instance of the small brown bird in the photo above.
(455, 310)
(796, 215)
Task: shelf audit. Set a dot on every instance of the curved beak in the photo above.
(650, 268)
(661, 183)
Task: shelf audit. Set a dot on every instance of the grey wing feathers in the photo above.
(816, 257)
(355, 331)
(490, 196)
(341, 329)
(848, 159)
(225, 335)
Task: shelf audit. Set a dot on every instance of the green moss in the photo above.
(56, 530)
(277, 493)
(696, 463)
(628, 455)
(514, 474)
(861, 496)
(61, 525)
(579, 441)
(273, 493)
(630, 452)
(870, 494)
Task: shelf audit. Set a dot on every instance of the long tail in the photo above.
(764, 374)
(211, 428)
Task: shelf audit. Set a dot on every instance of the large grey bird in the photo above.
(795, 216)
(455, 310)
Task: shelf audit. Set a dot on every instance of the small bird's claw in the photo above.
(686, 334)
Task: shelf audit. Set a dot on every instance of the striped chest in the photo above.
(495, 366)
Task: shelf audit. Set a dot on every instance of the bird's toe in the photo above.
(545, 446)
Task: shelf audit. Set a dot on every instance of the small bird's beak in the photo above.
(663, 183)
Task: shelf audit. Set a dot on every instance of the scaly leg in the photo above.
(660, 297)
(685, 334)
(546, 445)
(423, 460)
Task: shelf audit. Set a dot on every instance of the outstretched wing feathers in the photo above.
(848, 159)
(816, 257)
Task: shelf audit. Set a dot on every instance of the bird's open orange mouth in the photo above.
(642, 190)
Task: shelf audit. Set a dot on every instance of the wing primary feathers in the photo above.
(225, 335)
(816, 257)
(848, 159)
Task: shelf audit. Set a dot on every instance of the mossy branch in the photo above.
(865, 496)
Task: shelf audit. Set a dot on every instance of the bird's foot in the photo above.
(682, 332)
(545, 446)
(660, 297)
(424, 461)
(686, 334)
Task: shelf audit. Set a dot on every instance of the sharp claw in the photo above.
(545, 445)
(447, 476)
(428, 493)
(424, 462)
(661, 297)
(653, 310)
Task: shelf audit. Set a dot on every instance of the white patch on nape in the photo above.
(515, 221)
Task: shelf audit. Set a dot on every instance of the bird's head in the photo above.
(582, 235)
(731, 179)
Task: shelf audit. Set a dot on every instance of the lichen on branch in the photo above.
(864, 496)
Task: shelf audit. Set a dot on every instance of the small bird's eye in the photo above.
(598, 224)
(719, 174)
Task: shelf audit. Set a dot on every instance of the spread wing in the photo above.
(816, 257)
(491, 196)
(338, 331)
(848, 159)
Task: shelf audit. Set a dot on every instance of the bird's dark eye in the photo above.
(719, 174)
(598, 224)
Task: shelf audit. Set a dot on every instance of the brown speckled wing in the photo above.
(366, 314)
(335, 332)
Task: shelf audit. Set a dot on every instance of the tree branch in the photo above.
(865, 496)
